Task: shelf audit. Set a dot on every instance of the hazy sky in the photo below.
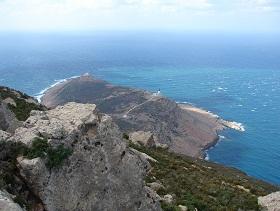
(57, 15)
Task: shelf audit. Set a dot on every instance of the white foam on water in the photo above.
(41, 93)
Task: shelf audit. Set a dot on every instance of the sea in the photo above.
(234, 75)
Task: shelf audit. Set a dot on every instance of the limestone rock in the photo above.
(143, 155)
(155, 186)
(183, 208)
(143, 138)
(152, 194)
(7, 204)
(270, 202)
(4, 135)
(101, 174)
(168, 199)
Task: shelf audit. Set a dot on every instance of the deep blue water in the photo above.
(236, 76)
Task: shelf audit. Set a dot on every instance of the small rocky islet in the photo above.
(89, 146)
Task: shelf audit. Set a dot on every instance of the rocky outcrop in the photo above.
(15, 108)
(8, 120)
(183, 131)
(142, 137)
(102, 173)
(270, 202)
(4, 135)
(7, 203)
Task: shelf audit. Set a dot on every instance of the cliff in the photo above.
(184, 131)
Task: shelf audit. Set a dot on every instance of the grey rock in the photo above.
(143, 138)
(143, 155)
(101, 174)
(7, 203)
(270, 202)
(168, 199)
(182, 208)
(4, 135)
(155, 186)
(8, 121)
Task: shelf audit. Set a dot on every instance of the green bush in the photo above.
(54, 156)
(38, 148)
(125, 136)
(57, 155)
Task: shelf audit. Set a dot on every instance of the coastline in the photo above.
(40, 94)
(220, 124)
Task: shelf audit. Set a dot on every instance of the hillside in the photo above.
(195, 183)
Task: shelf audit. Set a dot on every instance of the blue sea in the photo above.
(236, 76)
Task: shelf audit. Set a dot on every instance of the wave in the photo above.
(39, 95)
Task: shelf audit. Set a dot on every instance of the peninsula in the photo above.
(181, 128)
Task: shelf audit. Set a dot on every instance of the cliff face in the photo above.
(135, 110)
(101, 173)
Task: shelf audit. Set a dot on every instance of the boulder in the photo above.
(4, 135)
(143, 138)
(102, 173)
(155, 186)
(168, 199)
(7, 203)
(182, 208)
(270, 202)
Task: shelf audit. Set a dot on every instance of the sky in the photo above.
(205, 15)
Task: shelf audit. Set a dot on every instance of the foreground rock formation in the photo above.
(182, 130)
(7, 203)
(101, 174)
(270, 202)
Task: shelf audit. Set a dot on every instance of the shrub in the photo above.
(54, 156)
(125, 136)
(57, 155)
(38, 148)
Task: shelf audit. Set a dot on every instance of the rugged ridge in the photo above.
(183, 131)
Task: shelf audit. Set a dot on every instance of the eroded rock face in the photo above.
(270, 202)
(101, 174)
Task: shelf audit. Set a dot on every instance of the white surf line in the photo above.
(39, 95)
(125, 115)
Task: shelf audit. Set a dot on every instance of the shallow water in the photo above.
(235, 76)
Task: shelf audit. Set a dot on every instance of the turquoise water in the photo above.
(235, 76)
